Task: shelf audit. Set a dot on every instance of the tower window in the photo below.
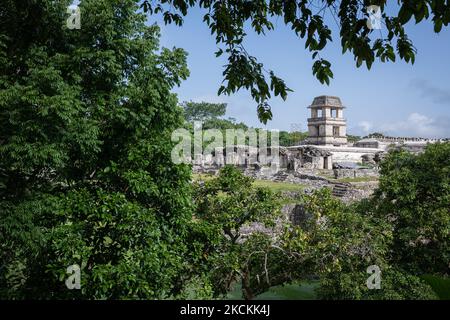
(335, 131)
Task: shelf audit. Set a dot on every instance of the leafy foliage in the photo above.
(210, 114)
(291, 138)
(85, 170)
(338, 243)
(224, 205)
(414, 194)
(230, 21)
(395, 285)
(404, 229)
(352, 138)
(202, 111)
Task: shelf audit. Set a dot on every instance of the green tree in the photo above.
(338, 242)
(414, 194)
(203, 111)
(352, 138)
(224, 205)
(230, 21)
(291, 138)
(85, 170)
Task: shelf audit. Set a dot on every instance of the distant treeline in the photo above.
(212, 117)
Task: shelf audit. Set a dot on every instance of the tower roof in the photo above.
(327, 101)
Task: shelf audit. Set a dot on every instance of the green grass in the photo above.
(296, 291)
(304, 291)
(201, 177)
(272, 185)
(440, 285)
(278, 186)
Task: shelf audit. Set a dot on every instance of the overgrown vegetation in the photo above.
(274, 186)
(397, 230)
(211, 116)
(86, 175)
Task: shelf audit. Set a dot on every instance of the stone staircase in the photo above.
(281, 176)
(340, 189)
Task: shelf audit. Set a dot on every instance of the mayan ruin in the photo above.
(324, 154)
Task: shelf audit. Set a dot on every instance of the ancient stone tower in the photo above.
(327, 125)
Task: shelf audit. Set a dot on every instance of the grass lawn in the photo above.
(272, 185)
(201, 177)
(278, 186)
(440, 285)
(302, 291)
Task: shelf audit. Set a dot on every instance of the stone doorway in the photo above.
(326, 162)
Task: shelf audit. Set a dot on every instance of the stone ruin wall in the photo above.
(388, 139)
(308, 160)
(355, 173)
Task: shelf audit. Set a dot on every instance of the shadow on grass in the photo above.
(440, 285)
(302, 291)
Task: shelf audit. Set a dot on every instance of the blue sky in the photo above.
(394, 98)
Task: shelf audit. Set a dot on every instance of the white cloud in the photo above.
(365, 126)
(415, 125)
(418, 125)
(362, 128)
